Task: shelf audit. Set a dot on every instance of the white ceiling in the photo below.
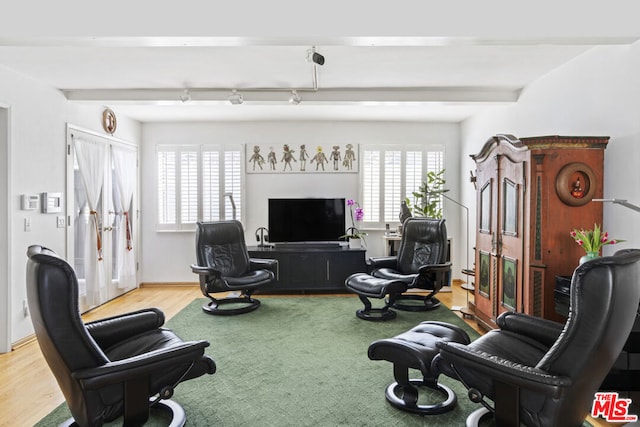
(398, 77)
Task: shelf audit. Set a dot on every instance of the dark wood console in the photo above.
(313, 268)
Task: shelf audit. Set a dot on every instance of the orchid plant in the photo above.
(592, 240)
(357, 214)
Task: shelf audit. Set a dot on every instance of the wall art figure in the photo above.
(336, 157)
(303, 157)
(320, 158)
(349, 157)
(271, 157)
(287, 156)
(256, 158)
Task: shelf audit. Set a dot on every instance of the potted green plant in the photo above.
(427, 200)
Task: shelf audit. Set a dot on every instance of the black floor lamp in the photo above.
(622, 202)
(466, 311)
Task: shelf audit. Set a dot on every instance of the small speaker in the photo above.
(262, 236)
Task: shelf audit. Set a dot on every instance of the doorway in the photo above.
(103, 215)
(5, 236)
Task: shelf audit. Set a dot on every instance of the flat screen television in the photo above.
(306, 220)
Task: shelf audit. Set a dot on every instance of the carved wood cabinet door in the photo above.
(501, 184)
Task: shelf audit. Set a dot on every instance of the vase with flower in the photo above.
(353, 234)
(591, 241)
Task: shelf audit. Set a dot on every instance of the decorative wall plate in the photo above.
(576, 184)
(109, 121)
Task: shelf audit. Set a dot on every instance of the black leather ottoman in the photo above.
(367, 286)
(416, 349)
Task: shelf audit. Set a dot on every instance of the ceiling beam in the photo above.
(407, 41)
(370, 95)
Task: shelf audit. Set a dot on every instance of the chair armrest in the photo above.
(141, 365)
(434, 268)
(110, 330)
(383, 262)
(497, 368)
(263, 264)
(542, 330)
(432, 276)
(205, 271)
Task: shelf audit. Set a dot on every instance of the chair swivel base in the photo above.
(366, 286)
(476, 417)
(406, 400)
(406, 302)
(376, 314)
(171, 407)
(242, 305)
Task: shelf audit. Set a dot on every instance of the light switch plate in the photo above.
(61, 222)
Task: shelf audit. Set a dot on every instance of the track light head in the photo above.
(235, 98)
(186, 96)
(315, 57)
(294, 98)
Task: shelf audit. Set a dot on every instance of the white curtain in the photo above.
(91, 158)
(124, 164)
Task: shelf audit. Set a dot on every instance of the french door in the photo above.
(103, 220)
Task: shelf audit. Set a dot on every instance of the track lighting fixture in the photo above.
(235, 98)
(294, 98)
(186, 96)
(315, 57)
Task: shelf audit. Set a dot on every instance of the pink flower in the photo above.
(359, 214)
(350, 202)
(573, 233)
(579, 242)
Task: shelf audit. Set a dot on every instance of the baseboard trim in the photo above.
(23, 341)
(165, 284)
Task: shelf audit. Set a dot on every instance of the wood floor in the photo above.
(28, 390)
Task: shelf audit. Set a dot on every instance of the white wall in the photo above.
(39, 115)
(167, 256)
(597, 93)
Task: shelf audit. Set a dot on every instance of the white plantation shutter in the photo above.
(392, 173)
(166, 187)
(233, 183)
(392, 184)
(211, 194)
(371, 186)
(413, 173)
(195, 179)
(189, 187)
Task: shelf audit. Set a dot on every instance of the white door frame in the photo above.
(5, 229)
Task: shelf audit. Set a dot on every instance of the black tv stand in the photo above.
(307, 245)
(311, 267)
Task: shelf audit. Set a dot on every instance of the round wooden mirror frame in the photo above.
(576, 184)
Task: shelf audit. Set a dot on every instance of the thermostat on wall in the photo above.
(51, 202)
(29, 202)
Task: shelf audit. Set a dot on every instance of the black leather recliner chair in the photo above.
(110, 367)
(421, 263)
(544, 373)
(224, 265)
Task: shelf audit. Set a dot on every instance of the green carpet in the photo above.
(297, 362)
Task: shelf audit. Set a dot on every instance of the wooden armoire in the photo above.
(531, 192)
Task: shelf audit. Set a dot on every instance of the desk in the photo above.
(390, 243)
